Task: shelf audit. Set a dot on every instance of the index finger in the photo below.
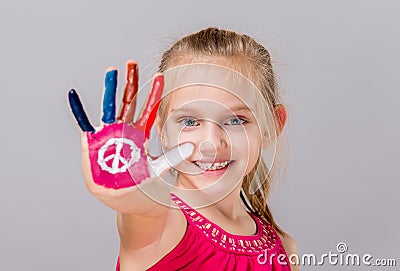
(128, 105)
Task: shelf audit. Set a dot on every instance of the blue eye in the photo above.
(235, 121)
(189, 122)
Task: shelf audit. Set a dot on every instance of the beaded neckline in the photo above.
(264, 239)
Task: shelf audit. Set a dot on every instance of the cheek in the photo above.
(250, 160)
(246, 147)
(172, 135)
(247, 140)
(255, 147)
(254, 154)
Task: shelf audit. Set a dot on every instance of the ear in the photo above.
(280, 117)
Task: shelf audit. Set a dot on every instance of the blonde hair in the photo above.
(213, 45)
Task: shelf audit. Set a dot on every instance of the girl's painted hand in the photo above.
(114, 155)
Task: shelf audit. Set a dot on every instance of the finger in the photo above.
(128, 105)
(109, 95)
(79, 112)
(171, 158)
(148, 116)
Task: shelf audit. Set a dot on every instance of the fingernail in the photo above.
(186, 149)
(71, 92)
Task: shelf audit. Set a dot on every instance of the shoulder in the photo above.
(290, 247)
(288, 243)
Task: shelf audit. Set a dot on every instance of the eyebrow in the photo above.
(191, 110)
(240, 108)
(180, 110)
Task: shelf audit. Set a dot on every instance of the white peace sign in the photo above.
(117, 157)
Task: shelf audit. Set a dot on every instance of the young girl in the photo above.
(215, 215)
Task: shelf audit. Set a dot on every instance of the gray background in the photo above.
(337, 63)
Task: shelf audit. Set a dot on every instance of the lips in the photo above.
(212, 166)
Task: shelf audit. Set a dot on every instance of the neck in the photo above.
(231, 206)
(228, 204)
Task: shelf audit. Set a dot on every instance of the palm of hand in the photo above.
(116, 151)
(113, 151)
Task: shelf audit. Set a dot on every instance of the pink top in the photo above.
(206, 246)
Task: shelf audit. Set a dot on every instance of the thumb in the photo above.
(171, 159)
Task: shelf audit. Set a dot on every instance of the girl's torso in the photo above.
(192, 242)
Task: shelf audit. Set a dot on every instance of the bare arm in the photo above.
(116, 168)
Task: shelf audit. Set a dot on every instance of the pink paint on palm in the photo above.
(113, 151)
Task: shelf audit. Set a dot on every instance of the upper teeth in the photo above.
(212, 166)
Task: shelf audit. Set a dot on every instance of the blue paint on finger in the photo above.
(109, 97)
(79, 112)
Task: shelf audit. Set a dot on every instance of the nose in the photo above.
(213, 139)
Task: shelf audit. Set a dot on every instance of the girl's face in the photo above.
(224, 131)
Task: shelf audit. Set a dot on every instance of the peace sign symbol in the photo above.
(117, 157)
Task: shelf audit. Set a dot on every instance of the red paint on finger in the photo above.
(117, 156)
(128, 105)
(150, 111)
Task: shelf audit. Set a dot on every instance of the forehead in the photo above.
(203, 97)
(204, 80)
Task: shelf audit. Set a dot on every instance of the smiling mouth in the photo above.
(212, 166)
